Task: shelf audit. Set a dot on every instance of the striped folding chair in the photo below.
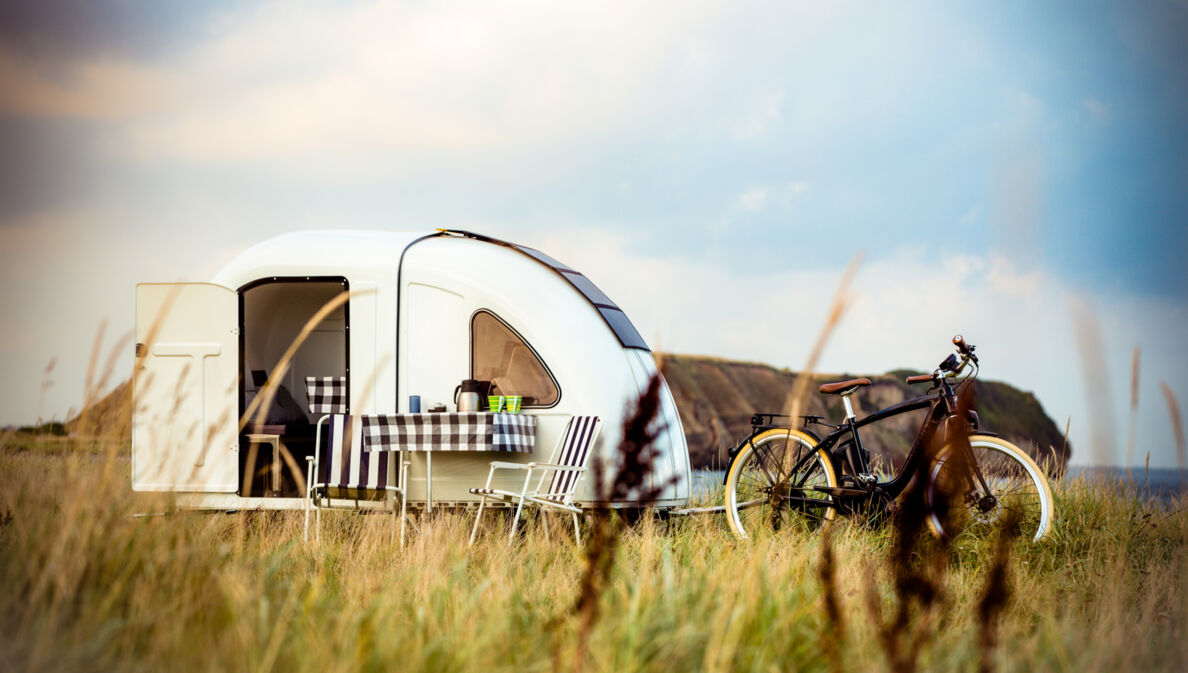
(556, 481)
(344, 474)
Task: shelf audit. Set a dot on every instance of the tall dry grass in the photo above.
(88, 586)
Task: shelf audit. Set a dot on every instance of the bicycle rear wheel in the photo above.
(770, 483)
(1017, 486)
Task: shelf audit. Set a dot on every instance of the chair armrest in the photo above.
(559, 468)
(499, 464)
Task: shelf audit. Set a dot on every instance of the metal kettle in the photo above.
(469, 395)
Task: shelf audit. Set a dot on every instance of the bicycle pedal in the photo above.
(841, 491)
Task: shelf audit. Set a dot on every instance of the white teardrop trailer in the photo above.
(425, 311)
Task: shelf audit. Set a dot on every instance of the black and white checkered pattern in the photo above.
(327, 394)
(457, 431)
(513, 432)
(379, 433)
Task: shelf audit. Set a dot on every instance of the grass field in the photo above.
(86, 586)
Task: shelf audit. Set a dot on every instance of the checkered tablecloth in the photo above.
(456, 431)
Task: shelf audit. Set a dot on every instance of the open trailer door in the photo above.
(185, 388)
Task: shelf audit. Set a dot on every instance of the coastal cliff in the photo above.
(716, 398)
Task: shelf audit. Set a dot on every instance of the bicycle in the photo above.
(780, 473)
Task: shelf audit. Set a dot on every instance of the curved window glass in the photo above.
(499, 355)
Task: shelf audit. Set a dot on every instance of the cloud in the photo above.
(65, 271)
(1099, 112)
(56, 32)
(753, 199)
(764, 114)
(373, 79)
(95, 90)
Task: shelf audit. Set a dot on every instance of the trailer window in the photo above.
(499, 355)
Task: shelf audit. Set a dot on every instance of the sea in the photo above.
(1156, 483)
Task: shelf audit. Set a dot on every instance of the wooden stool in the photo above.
(274, 442)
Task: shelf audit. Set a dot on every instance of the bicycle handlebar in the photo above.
(965, 349)
(950, 367)
(959, 342)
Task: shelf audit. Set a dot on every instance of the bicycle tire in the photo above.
(758, 492)
(1016, 483)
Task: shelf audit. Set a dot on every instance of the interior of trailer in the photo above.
(273, 314)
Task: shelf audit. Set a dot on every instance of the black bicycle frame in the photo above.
(942, 405)
(939, 411)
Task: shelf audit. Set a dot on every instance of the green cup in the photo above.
(495, 402)
(513, 403)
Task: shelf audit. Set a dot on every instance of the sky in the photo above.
(1013, 172)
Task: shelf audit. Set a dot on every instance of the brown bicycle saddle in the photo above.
(843, 386)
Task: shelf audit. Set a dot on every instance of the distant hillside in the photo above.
(716, 398)
(108, 417)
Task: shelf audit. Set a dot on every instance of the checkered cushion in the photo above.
(459, 431)
(327, 394)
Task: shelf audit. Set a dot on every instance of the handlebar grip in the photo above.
(959, 342)
(920, 378)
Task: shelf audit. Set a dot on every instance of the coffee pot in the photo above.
(471, 395)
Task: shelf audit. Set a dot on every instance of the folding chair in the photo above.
(343, 474)
(557, 480)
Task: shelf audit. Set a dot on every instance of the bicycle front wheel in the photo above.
(1014, 486)
(770, 483)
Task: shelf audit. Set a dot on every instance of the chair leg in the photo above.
(308, 495)
(305, 538)
(577, 532)
(479, 515)
(403, 496)
(511, 536)
(403, 515)
(396, 515)
(544, 521)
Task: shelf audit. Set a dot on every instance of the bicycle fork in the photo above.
(983, 497)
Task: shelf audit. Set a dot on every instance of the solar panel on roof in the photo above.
(614, 317)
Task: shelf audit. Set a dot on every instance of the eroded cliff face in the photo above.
(717, 397)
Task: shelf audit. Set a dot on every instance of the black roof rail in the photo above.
(612, 315)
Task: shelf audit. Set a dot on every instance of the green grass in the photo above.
(86, 586)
